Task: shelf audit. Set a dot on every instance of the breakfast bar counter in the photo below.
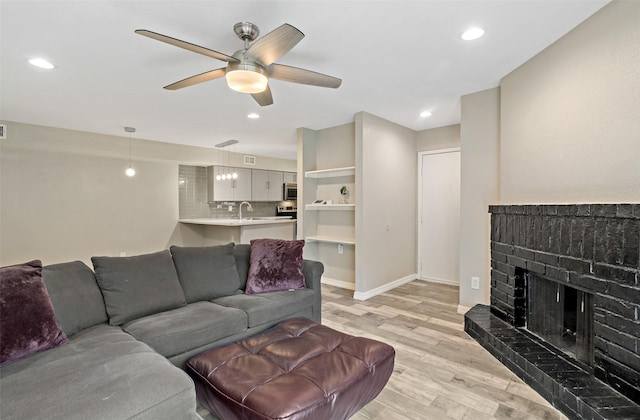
(221, 231)
(247, 221)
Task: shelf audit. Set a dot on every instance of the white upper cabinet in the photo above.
(267, 185)
(238, 189)
(242, 186)
(290, 177)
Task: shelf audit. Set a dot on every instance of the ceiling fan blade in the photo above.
(275, 44)
(263, 98)
(198, 78)
(186, 45)
(305, 77)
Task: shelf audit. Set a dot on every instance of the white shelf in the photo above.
(331, 173)
(331, 240)
(334, 207)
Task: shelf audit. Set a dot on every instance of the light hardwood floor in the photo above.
(440, 373)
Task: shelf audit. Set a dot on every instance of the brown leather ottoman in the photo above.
(296, 370)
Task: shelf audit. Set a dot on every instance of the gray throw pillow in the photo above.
(134, 287)
(75, 295)
(206, 272)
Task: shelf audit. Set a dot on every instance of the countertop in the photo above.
(248, 221)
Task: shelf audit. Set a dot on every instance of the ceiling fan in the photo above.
(248, 70)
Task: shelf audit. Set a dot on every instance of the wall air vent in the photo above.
(250, 160)
(3, 131)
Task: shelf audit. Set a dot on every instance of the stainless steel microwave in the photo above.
(290, 192)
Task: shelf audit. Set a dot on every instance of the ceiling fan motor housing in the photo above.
(246, 31)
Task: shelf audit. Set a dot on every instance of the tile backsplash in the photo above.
(260, 209)
(192, 192)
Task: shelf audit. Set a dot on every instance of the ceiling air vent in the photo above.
(3, 131)
(250, 160)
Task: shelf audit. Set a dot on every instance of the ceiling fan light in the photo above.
(246, 78)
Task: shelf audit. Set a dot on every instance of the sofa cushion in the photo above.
(275, 264)
(101, 374)
(134, 287)
(183, 329)
(29, 323)
(242, 252)
(76, 297)
(206, 272)
(265, 308)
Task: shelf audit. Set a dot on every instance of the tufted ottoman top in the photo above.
(297, 370)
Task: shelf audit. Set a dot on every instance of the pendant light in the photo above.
(130, 172)
(234, 175)
(228, 173)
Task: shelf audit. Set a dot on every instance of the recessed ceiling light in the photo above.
(42, 63)
(253, 116)
(472, 33)
(425, 114)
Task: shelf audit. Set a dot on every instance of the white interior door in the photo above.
(439, 238)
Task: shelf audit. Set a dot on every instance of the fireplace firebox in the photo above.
(564, 310)
(562, 316)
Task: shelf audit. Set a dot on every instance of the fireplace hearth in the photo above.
(565, 304)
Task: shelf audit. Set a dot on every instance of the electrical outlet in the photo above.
(340, 249)
(475, 282)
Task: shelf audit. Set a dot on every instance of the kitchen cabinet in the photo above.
(290, 177)
(238, 189)
(266, 185)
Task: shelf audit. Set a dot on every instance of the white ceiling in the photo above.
(396, 59)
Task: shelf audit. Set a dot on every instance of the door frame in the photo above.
(419, 210)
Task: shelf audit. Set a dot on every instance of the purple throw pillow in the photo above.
(275, 264)
(29, 324)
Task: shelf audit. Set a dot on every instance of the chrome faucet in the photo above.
(249, 208)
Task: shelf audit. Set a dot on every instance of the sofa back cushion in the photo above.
(206, 272)
(76, 297)
(242, 253)
(134, 287)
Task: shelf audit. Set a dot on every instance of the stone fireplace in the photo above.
(564, 313)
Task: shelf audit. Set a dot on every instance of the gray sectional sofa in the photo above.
(131, 330)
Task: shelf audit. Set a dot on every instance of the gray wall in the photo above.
(570, 116)
(568, 119)
(438, 138)
(64, 195)
(386, 187)
(479, 187)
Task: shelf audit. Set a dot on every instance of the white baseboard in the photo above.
(463, 309)
(385, 288)
(338, 283)
(442, 281)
